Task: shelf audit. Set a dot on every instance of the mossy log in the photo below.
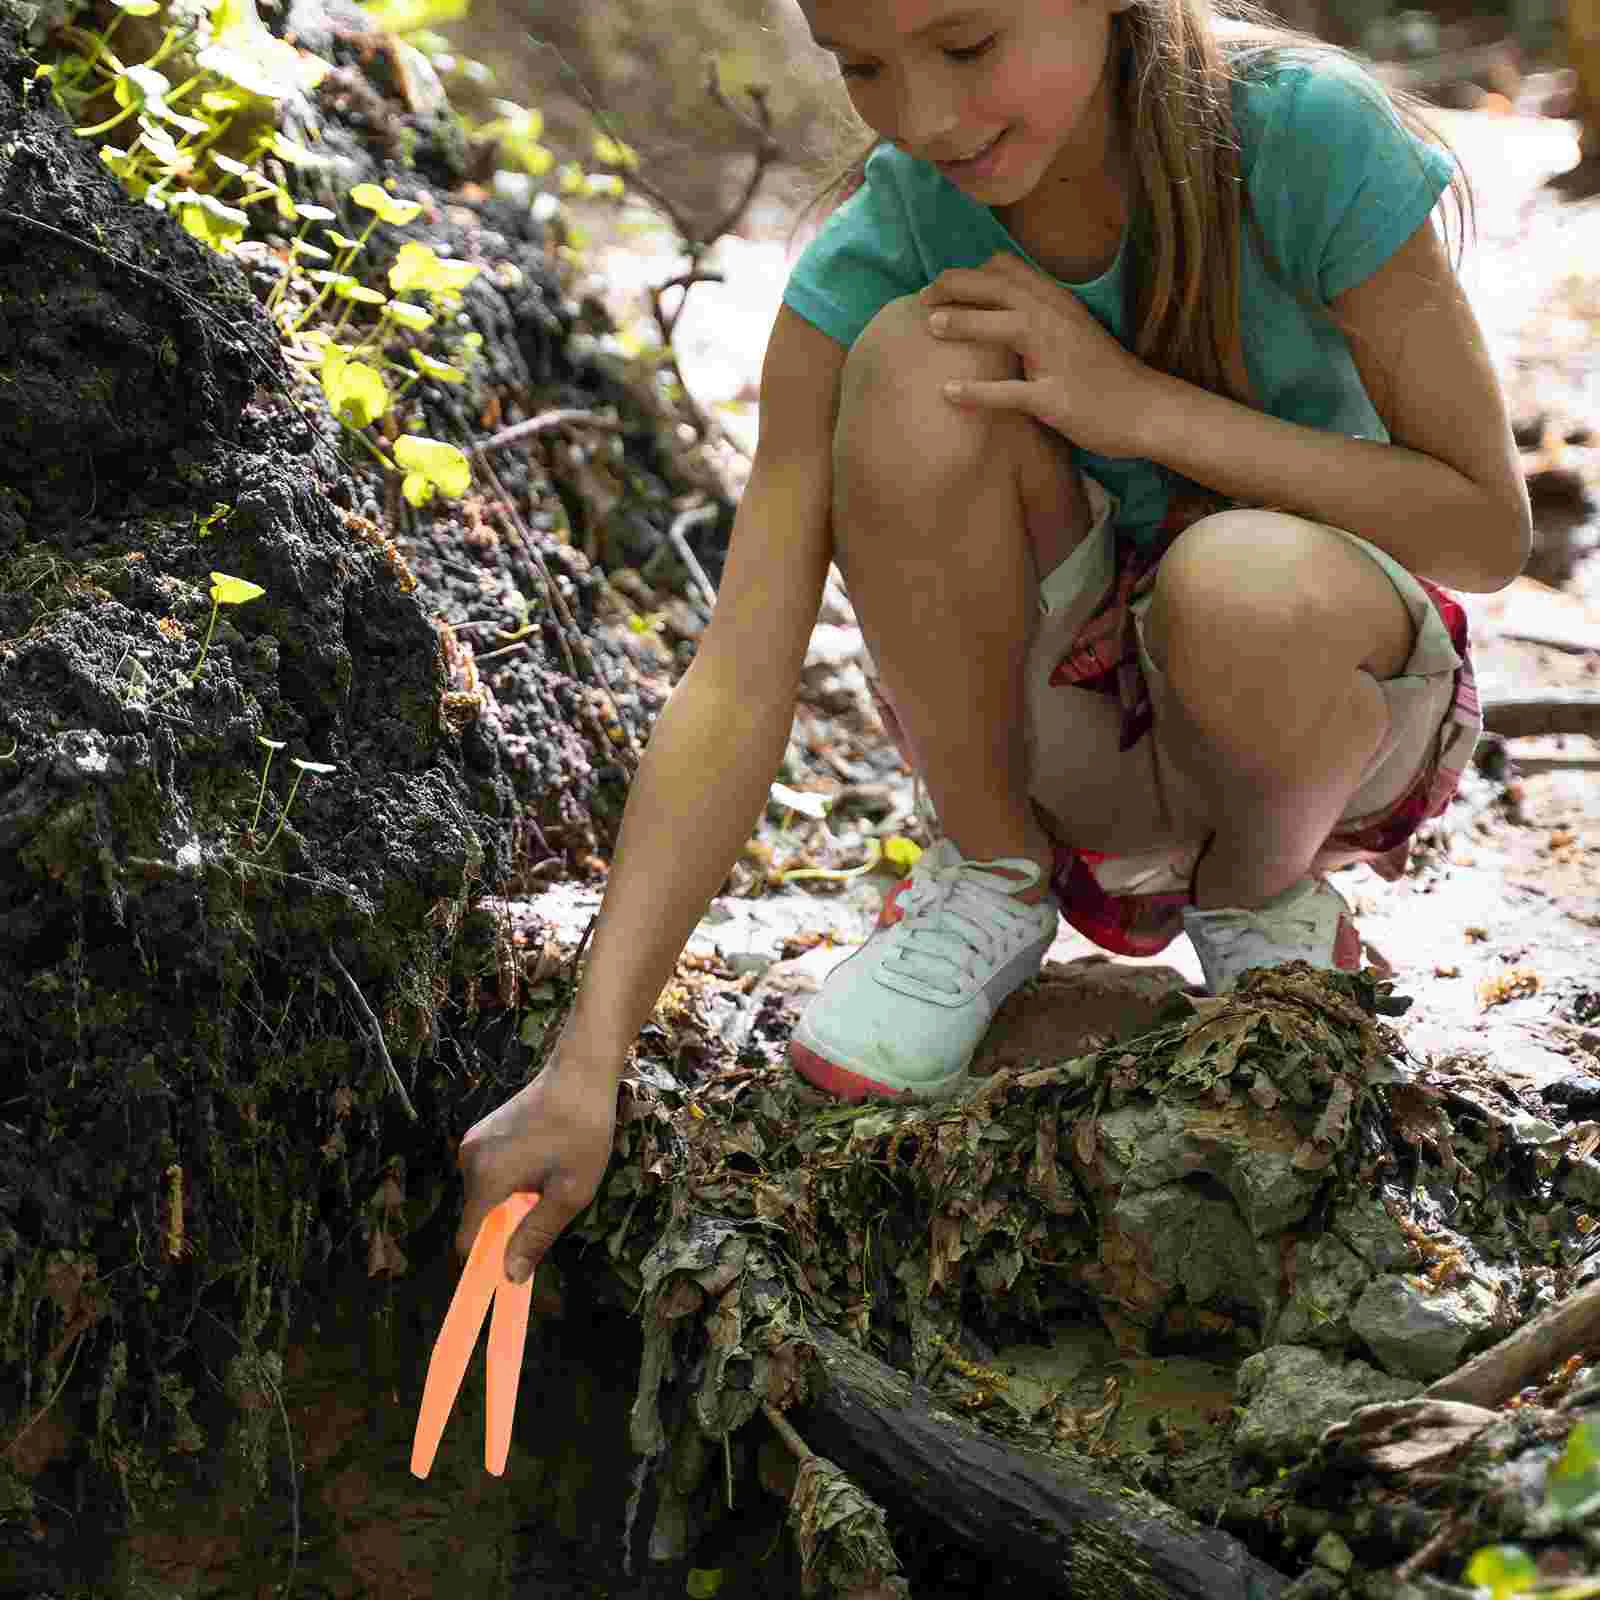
(1054, 1515)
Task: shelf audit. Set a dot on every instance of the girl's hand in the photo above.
(1075, 378)
(554, 1137)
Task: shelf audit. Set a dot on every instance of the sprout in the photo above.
(225, 591)
(273, 747)
(440, 371)
(209, 220)
(374, 198)
(417, 267)
(349, 289)
(431, 465)
(303, 767)
(409, 316)
(355, 390)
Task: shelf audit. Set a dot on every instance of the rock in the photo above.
(1293, 1393)
(1423, 1332)
(1578, 1094)
(1331, 1270)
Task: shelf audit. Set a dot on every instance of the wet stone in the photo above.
(1292, 1394)
(1420, 1331)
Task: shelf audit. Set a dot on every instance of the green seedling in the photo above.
(243, 52)
(431, 466)
(355, 390)
(416, 267)
(273, 747)
(518, 129)
(406, 16)
(225, 591)
(319, 767)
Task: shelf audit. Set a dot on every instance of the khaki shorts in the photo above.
(1419, 698)
(1094, 701)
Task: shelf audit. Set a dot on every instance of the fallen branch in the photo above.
(1533, 1350)
(546, 421)
(1525, 717)
(1078, 1531)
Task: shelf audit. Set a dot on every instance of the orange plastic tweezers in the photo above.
(482, 1279)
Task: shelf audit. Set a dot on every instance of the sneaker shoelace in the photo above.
(948, 929)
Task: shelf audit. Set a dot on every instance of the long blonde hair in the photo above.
(1175, 64)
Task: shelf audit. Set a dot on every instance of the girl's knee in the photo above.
(891, 399)
(1241, 570)
(1272, 585)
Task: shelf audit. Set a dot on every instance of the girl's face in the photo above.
(995, 93)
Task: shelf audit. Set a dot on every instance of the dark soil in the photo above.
(196, 1123)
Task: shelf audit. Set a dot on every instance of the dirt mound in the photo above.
(238, 990)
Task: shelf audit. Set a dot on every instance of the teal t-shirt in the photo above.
(1337, 185)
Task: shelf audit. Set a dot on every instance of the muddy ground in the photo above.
(226, 1201)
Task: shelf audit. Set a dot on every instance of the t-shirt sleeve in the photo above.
(863, 257)
(1338, 183)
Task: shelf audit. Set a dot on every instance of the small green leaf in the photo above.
(407, 16)
(704, 1582)
(226, 591)
(295, 154)
(355, 390)
(209, 220)
(614, 153)
(1582, 1454)
(417, 267)
(360, 293)
(440, 371)
(900, 852)
(307, 212)
(1502, 1569)
(431, 464)
(375, 198)
(410, 316)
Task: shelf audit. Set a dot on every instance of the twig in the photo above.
(377, 1031)
(545, 421)
(680, 526)
(1421, 1559)
(569, 623)
(553, 1029)
(1533, 1349)
(23, 1431)
(798, 1448)
(504, 650)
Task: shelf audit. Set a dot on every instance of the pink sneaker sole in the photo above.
(839, 1081)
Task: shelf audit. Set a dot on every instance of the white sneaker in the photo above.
(902, 1017)
(1309, 921)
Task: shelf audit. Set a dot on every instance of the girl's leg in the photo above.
(943, 520)
(1272, 633)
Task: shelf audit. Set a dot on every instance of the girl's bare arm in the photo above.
(721, 735)
(1445, 497)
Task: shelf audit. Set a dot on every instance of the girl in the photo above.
(1134, 395)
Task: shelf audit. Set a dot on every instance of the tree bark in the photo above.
(1522, 718)
(1080, 1532)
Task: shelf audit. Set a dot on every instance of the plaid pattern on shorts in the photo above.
(1104, 659)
